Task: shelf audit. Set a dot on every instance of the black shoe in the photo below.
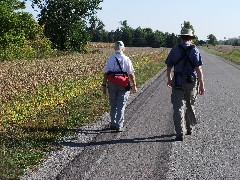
(112, 127)
(179, 138)
(190, 131)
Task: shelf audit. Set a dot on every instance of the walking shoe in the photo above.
(120, 129)
(179, 138)
(112, 127)
(190, 131)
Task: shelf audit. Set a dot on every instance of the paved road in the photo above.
(147, 150)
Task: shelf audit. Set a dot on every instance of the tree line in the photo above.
(139, 37)
(68, 25)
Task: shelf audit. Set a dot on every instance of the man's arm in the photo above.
(200, 79)
(169, 76)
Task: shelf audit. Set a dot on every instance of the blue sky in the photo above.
(220, 18)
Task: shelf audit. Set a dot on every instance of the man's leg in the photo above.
(179, 106)
(190, 96)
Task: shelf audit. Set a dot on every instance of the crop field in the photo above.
(43, 100)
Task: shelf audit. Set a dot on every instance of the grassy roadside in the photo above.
(231, 53)
(43, 100)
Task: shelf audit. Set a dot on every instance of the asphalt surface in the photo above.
(147, 150)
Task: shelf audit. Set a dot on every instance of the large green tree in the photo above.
(171, 40)
(96, 28)
(127, 33)
(139, 37)
(20, 35)
(66, 21)
(211, 39)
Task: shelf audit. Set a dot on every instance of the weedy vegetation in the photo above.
(44, 100)
(228, 52)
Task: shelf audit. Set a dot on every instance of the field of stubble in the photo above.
(42, 100)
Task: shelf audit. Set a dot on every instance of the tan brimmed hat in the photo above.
(187, 32)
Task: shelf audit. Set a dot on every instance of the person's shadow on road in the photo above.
(160, 138)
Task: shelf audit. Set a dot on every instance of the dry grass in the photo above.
(24, 76)
(231, 53)
(92, 45)
(43, 99)
(225, 49)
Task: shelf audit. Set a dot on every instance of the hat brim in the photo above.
(193, 36)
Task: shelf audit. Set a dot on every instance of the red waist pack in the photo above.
(119, 80)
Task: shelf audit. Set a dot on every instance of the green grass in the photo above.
(233, 55)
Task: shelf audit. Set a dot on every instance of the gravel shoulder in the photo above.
(146, 149)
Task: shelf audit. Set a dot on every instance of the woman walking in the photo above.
(118, 66)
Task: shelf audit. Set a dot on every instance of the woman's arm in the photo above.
(134, 84)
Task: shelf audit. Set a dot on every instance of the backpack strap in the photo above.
(186, 54)
(124, 73)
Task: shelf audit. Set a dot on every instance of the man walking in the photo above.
(186, 82)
